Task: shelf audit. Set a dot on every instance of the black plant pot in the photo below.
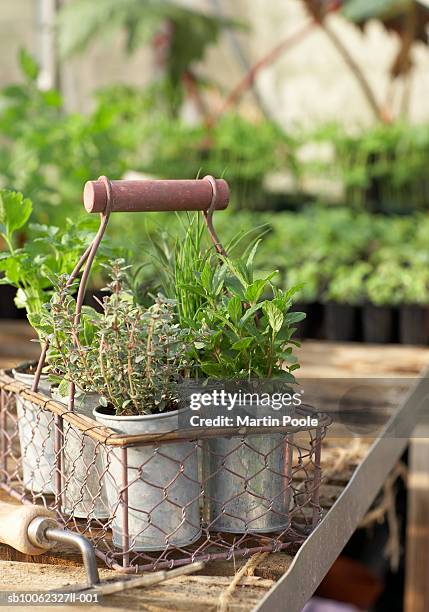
(414, 324)
(312, 325)
(341, 322)
(8, 310)
(378, 324)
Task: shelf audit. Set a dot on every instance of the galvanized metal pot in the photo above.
(247, 483)
(84, 494)
(160, 481)
(36, 429)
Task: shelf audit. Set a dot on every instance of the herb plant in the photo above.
(33, 267)
(249, 323)
(381, 169)
(244, 318)
(131, 356)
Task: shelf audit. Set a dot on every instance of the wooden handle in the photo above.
(14, 522)
(154, 195)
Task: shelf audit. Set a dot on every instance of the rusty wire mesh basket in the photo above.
(167, 497)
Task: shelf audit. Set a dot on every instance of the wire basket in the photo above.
(170, 496)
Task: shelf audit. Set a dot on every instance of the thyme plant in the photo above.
(130, 355)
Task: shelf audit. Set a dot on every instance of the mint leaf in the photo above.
(249, 312)
(294, 317)
(235, 308)
(274, 315)
(242, 344)
(254, 291)
(15, 210)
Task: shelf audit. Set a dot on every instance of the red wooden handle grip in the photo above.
(153, 195)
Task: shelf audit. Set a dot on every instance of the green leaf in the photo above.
(238, 270)
(274, 315)
(64, 388)
(242, 344)
(193, 289)
(89, 331)
(294, 317)
(249, 313)
(103, 401)
(235, 308)
(207, 277)
(212, 369)
(28, 65)
(234, 286)
(286, 376)
(15, 210)
(254, 291)
(11, 268)
(249, 262)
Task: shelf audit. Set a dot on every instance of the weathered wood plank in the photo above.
(334, 360)
(191, 592)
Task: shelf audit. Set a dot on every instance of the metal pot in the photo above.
(161, 485)
(247, 483)
(36, 429)
(84, 494)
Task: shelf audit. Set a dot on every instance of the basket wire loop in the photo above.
(208, 216)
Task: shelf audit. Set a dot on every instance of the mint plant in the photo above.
(248, 321)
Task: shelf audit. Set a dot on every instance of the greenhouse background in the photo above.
(315, 113)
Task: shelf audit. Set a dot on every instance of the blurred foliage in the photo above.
(48, 154)
(241, 151)
(184, 33)
(336, 252)
(382, 168)
(333, 252)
